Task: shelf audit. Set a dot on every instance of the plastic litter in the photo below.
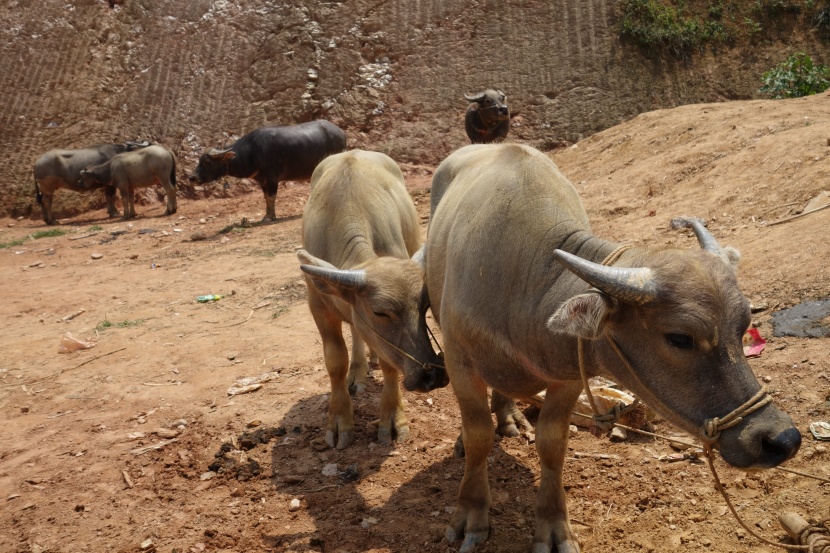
(753, 343)
(820, 430)
(208, 297)
(69, 343)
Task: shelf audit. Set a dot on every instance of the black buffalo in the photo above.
(58, 169)
(488, 118)
(272, 154)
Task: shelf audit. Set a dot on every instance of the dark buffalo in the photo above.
(130, 170)
(58, 169)
(272, 154)
(488, 118)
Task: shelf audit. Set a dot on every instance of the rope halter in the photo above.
(711, 429)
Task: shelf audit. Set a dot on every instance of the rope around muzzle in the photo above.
(425, 365)
(709, 432)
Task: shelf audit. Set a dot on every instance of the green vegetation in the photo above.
(105, 324)
(682, 27)
(47, 233)
(94, 228)
(35, 236)
(796, 77)
(11, 243)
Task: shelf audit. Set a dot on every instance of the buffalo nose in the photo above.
(777, 449)
(192, 178)
(503, 110)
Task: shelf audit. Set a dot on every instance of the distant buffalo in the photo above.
(272, 154)
(130, 170)
(58, 169)
(488, 118)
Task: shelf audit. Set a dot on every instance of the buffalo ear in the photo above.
(308, 259)
(582, 316)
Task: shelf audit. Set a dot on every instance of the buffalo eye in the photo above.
(381, 314)
(680, 341)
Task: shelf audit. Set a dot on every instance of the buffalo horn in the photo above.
(347, 278)
(628, 284)
(217, 153)
(705, 238)
(474, 97)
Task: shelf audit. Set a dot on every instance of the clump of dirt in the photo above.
(239, 466)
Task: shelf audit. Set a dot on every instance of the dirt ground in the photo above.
(74, 476)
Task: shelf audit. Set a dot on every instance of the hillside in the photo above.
(392, 73)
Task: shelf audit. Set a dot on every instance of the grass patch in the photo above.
(95, 227)
(106, 323)
(11, 243)
(34, 236)
(47, 233)
(279, 311)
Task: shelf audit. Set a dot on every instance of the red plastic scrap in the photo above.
(753, 343)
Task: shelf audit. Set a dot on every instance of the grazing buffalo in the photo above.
(488, 118)
(526, 296)
(272, 154)
(362, 266)
(126, 172)
(58, 169)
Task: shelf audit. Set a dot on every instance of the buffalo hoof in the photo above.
(564, 547)
(268, 219)
(344, 439)
(471, 539)
(387, 435)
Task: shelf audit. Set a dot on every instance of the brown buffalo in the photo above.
(126, 172)
(517, 280)
(363, 268)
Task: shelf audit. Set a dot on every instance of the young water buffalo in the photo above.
(360, 228)
(519, 285)
(126, 172)
(487, 119)
(271, 154)
(58, 169)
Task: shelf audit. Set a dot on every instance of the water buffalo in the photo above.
(126, 172)
(488, 118)
(58, 169)
(360, 228)
(520, 285)
(272, 154)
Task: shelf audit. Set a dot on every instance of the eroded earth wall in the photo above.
(391, 72)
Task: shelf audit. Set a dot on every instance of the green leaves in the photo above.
(796, 77)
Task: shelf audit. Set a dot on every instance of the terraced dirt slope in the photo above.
(199, 73)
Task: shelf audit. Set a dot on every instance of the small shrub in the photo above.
(796, 77)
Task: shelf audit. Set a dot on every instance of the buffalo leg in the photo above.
(46, 209)
(393, 421)
(128, 196)
(170, 196)
(471, 518)
(358, 367)
(109, 193)
(340, 430)
(270, 191)
(508, 420)
(552, 526)
(508, 416)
